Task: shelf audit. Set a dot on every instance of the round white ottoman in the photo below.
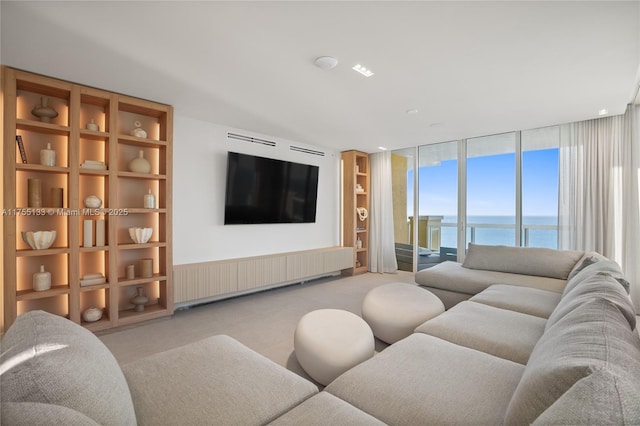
(394, 310)
(328, 342)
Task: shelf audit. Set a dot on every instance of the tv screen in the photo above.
(265, 190)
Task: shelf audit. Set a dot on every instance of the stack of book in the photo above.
(92, 164)
(92, 279)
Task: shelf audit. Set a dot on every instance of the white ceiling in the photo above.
(470, 68)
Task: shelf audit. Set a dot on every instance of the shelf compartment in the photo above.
(43, 223)
(94, 105)
(93, 150)
(93, 262)
(55, 304)
(33, 142)
(154, 155)
(30, 94)
(94, 184)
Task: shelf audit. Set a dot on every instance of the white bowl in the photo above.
(140, 235)
(39, 240)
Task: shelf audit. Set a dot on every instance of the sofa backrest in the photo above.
(47, 359)
(540, 262)
(586, 362)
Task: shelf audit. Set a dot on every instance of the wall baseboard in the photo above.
(202, 282)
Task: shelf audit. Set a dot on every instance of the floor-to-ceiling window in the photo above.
(540, 187)
(508, 195)
(437, 229)
(402, 181)
(491, 190)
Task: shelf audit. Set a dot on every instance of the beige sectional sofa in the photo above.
(510, 354)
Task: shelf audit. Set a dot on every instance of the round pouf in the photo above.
(394, 310)
(328, 342)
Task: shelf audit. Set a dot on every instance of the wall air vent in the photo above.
(250, 139)
(306, 150)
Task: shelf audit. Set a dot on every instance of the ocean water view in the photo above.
(539, 231)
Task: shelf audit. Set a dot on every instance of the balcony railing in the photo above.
(430, 232)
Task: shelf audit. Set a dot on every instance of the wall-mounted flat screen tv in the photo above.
(266, 190)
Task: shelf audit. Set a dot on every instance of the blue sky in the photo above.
(490, 186)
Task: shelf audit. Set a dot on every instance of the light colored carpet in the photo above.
(264, 321)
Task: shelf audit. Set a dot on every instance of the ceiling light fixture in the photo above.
(362, 70)
(412, 111)
(603, 111)
(325, 62)
(382, 148)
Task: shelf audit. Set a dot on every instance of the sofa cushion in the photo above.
(40, 414)
(598, 399)
(213, 380)
(500, 332)
(452, 276)
(49, 359)
(598, 285)
(593, 337)
(325, 409)
(424, 380)
(526, 300)
(600, 266)
(541, 262)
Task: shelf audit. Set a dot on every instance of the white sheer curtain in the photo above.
(382, 255)
(599, 198)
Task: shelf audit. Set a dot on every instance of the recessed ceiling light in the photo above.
(326, 62)
(603, 111)
(382, 148)
(412, 111)
(362, 70)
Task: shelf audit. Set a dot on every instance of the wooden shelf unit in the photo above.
(356, 172)
(121, 191)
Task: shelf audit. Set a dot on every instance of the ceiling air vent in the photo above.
(306, 150)
(250, 139)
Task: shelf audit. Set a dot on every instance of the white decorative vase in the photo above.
(140, 164)
(48, 156)
(41, 280)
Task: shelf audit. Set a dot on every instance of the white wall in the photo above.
(199, 178)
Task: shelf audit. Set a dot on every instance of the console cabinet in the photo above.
(94, 140)
(355, 190)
